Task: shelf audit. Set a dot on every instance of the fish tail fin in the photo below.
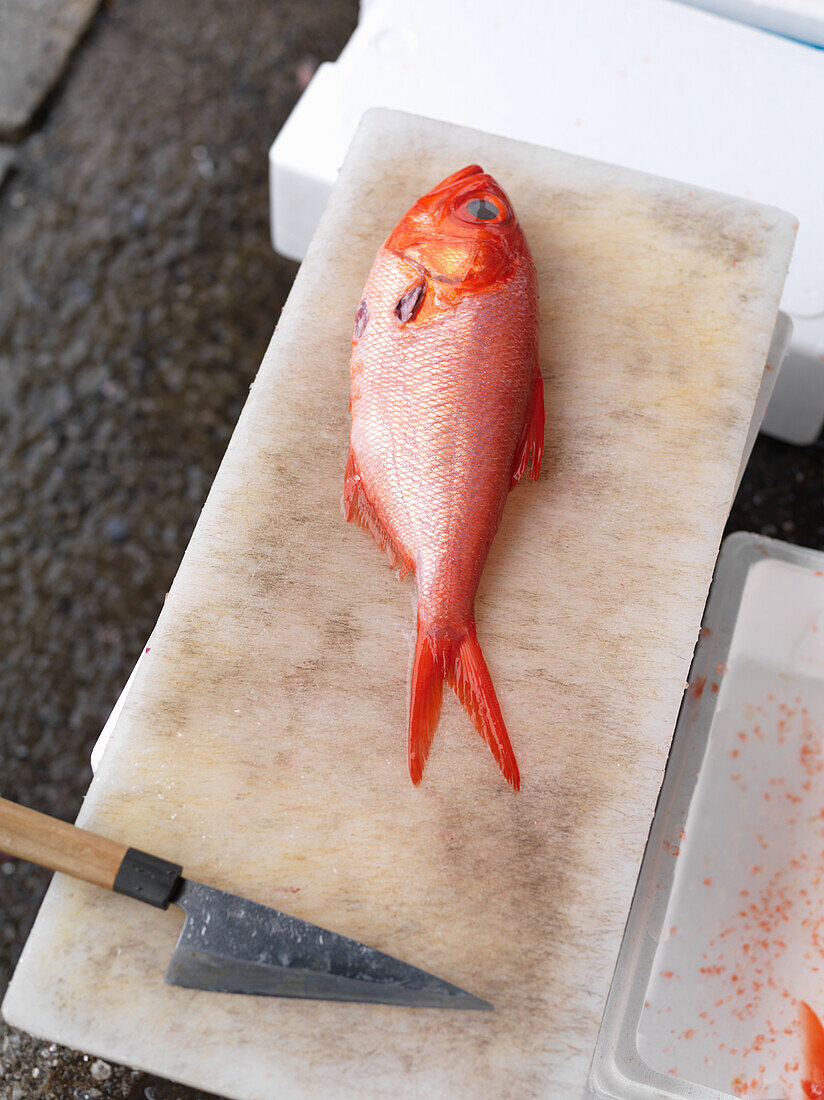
(463, 666)
(533, 434)
(425, 704)
(473, 685)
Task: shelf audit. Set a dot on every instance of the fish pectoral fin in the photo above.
(408, 306)
(357, 507)
(533, 435)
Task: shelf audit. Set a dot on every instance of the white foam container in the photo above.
(726, 930)
(649, 84)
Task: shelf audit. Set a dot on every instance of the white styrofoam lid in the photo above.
(649, 84)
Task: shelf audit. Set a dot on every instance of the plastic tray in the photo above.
(726, 930)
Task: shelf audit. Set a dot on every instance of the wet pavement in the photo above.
(37, 39)
(6, 161)
(138, 291)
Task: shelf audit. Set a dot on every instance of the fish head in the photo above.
(462, 233)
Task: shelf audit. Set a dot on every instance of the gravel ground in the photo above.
(138, 291)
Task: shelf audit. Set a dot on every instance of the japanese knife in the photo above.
(228, 944)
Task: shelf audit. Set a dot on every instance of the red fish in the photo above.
(447, 406)
(812, 1041)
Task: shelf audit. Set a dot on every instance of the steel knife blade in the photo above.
(232, 945)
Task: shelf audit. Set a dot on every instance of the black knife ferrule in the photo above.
(147, 878)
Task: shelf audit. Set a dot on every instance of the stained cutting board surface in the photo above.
(263, 744)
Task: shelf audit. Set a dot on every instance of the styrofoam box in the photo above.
(725, 931)
(799, 19)
(648, 84)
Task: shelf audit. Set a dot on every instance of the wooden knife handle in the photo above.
(59, 846)
(38, 838)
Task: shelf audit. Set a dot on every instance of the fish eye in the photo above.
(483, 209)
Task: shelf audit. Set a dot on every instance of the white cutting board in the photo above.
(263, 745)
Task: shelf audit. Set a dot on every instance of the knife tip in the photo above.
(468, 1001)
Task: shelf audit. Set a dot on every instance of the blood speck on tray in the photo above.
(696, 688)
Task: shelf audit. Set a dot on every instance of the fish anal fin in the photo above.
(533, 434)
(358, 507)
